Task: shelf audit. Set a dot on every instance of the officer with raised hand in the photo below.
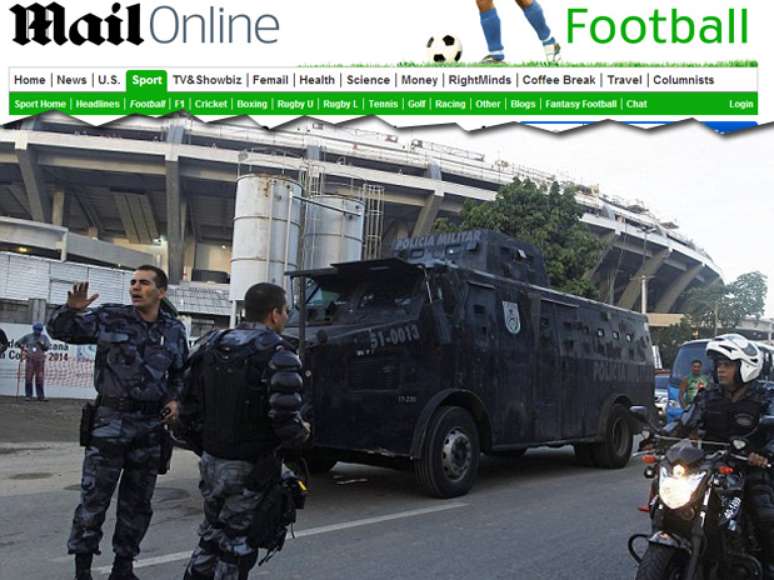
(138, 375)
(241, 402)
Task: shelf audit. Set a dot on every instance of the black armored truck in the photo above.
(455, 346)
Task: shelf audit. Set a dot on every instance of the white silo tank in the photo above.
(333, 231)
(267, 226)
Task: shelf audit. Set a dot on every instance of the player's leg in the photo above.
(490, 24)
(533, 12)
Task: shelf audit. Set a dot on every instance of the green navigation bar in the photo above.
(146, 94)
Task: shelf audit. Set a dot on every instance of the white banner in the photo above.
(69, 368)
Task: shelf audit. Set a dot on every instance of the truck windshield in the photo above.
(382, 297)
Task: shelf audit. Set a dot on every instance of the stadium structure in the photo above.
(78, 200)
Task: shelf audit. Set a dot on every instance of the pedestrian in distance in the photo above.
(34, 347)
(692, 384)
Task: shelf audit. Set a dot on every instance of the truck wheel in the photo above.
(614, 452)
(450, 454)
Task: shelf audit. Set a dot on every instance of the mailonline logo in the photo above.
(45, 24)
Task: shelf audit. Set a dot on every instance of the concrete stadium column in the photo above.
(59, 207)
(669, 298)
(606, 288)
(175, 221)
(429, 212)
(37, 195)
(17, 192)
(175, 247)
(189, 256)
(608, 242)
(649, 268)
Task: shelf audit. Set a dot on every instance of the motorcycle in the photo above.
(700, 529)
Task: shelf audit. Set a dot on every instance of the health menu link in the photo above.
(389, 103)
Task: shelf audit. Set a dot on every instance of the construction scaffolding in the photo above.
(372, 197)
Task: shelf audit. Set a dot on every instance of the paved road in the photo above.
(538, 517)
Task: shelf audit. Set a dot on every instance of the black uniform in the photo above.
(138, 368)
(241, 401)
(721, 418)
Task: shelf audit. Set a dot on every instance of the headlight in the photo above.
(676, 489)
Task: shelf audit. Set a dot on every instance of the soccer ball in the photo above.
(444, 48)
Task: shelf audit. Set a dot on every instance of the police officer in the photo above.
(241, 402)
(733, 407)
(138, 374)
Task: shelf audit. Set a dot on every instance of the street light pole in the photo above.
(647, 229)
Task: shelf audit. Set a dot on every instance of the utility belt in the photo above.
(89, 413)
(130, 405)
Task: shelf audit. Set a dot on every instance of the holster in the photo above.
(267, 470)
(166, 452)
(88, 413)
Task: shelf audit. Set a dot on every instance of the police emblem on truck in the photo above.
(511, 316)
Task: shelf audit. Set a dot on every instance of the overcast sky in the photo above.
(720, 189)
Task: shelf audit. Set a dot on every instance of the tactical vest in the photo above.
(236, 400)
(724, 419)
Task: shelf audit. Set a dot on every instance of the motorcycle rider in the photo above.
(732, 407)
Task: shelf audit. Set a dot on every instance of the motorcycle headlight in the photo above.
(677, 488)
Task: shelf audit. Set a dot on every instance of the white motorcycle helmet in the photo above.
(736, 347)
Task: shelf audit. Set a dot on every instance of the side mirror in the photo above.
(766, 422)
(640, 413)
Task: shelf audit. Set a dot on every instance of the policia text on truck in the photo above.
(456, 346)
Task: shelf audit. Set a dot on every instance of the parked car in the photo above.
(661, 394)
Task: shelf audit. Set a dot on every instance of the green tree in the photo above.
(548, 219)
(722, 306)
(669, 338)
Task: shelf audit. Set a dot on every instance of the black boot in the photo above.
(245, 564)
(83, 566)
(122, 569)
(768, 571)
